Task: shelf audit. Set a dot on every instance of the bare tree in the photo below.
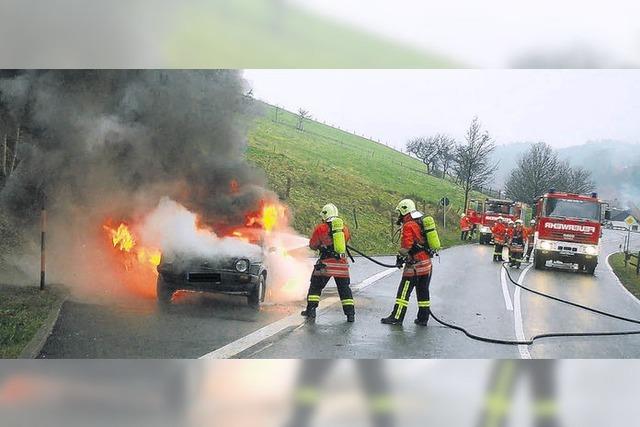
(473, 167)
(540, 169)
(446, 153)
(425, 149)
(302, 115)
(433, 151)
(573, 179)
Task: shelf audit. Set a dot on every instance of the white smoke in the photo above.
(173, 229)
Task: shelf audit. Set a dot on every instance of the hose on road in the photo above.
(535, 337)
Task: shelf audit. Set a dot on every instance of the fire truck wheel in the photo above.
(540, 262)
(164, 293)
(257, 296)
(590, 269)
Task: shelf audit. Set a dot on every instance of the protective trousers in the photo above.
(504, 377)
(310, 387)
(344, 290)
(421, 284)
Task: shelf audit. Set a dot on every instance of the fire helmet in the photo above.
(500, 219)
(406, 206)
(519, 222)
(532, 222)
(328, 211)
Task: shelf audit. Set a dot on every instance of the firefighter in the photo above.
(516, 243)
(417, 266)
(530, 233)
(465, 228)
(499, 231)
(330, 238)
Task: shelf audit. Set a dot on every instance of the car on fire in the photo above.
(244, 275)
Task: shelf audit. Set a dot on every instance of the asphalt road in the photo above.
(467, 289)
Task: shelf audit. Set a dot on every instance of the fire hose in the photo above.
(535, 337)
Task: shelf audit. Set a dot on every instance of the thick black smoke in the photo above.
(111, 143)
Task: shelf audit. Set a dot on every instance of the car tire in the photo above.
(540, 261)
(164, 293)
(257, 295)
(591, 269)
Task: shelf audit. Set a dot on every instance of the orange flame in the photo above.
(138, 262)
(270, 217)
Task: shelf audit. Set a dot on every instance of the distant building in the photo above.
(624, 219)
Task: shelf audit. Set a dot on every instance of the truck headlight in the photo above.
(242, 265)
(545, 245)
(591, 250)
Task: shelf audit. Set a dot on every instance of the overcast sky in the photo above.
(561, 107)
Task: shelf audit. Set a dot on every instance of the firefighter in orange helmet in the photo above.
(330, 238)
(499, 231)
(417, 268)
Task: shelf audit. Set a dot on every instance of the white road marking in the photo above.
(505, 289)
(293, 320)
(517, 316)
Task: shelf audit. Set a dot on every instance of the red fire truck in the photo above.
(568, 229)
(485, 214)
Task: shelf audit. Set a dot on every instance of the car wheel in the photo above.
(164, 293)
(257, 295)
(540, 261)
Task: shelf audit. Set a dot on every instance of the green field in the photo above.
(22, 311)
(363, 178)
(627, 275)
(250, 34)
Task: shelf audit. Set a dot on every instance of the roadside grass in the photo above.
(627, 275)
(365, 179)
(22, 311)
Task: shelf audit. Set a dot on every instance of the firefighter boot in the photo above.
(349, 311)
(309, 313)
(397, 316)
(423, 313)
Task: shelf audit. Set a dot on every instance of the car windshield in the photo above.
(573, 209)
(499, 208)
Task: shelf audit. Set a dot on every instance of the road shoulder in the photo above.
(626, 275)
(28, 317)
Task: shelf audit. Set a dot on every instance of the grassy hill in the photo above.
(250, 34)
(363, 178)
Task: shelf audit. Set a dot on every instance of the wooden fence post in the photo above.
(15, 151)
(288, 189)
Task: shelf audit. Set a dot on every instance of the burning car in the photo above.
(224, 273)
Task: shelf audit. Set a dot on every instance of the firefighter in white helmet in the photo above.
(330, 238)
(414, 255)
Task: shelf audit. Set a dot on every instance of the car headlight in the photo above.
(242, 265)
(545, 246)
(591, 250)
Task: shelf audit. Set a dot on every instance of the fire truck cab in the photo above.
(485, 214)
(568, 229)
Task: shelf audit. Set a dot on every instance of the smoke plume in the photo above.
(99, 144)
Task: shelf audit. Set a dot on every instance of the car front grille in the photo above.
(203, 277)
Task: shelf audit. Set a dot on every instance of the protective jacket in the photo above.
(465, 224)
(330, 264)
(499, 233)
(412, 244)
